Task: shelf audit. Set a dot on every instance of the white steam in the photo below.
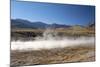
(50, 40)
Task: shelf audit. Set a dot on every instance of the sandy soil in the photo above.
(52, 56)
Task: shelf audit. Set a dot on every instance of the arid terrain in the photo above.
(57, 55)
(82, 52)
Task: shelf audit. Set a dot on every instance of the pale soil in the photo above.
(57, 55)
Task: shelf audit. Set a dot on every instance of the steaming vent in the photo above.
(51, 40)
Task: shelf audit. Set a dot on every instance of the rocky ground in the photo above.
(52, 56)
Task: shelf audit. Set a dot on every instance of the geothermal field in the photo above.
(51, 33)
(52, 47)
(51, 43)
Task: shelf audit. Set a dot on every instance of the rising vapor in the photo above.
(50, 40)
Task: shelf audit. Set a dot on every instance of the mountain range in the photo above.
(20, 23)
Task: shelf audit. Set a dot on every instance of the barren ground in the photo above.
(52, 56)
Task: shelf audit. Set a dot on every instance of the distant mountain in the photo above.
(20, 23)
(40, 25)
(59, 26)
(92, 25)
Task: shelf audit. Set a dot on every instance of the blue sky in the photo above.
(53, 13)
